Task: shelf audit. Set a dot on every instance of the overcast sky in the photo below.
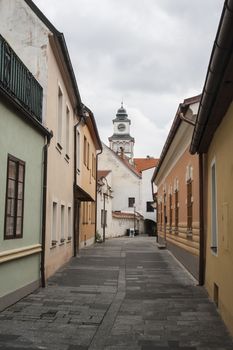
(150, 53)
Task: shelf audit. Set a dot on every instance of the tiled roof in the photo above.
(102, 173)
(125, 215)
(145, 163)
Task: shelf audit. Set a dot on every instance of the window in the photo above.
(62, 223)
(14, 198)
(54, 223)
(176, 210)
(85, 151)
(103, 218)
(78, 151)
(214, 233)
(59, 121)
(131, 202)
(161, 214)
(67, 131)
(170, 211)
(149, 207)
(88, 155)
(189, 207)
(69, 223)
(93, 166)
(92, 212)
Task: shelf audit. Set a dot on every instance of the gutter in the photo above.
(75, 203)
(202, 194)
(96, 183)
(44, 207)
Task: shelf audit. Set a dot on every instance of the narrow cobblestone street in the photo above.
(124, 294)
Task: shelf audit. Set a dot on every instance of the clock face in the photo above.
(121, 127)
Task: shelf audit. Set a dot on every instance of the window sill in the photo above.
(214, 250)
(53, 244)
(58, 148)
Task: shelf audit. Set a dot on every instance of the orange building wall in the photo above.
(180, 238)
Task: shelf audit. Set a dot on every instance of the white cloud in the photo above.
(151, 53)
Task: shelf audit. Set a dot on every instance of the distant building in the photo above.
(126, 186)
(121, 141)
(104, 204)
(146, 167)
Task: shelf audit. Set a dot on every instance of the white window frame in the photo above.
(60, 103)
(54, 223)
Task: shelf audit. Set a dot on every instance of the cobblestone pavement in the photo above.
(124, 294)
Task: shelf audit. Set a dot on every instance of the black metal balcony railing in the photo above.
(18, 81)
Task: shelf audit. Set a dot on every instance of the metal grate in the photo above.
(18, 81)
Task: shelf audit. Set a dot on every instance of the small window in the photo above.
(170, 211)
(67, 131)
(131, 202)
(62, 223)
(88, 156)
(54, 224)
(92, 212)
(149, 207)
(14, 198)
(214, 233)
(59, 117)
(176, 210)
(78, 151)
(69, 223)
(189, 206)
(85, 151)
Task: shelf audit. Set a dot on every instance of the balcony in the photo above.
(18, 82)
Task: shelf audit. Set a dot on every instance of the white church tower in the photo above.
(121, 142)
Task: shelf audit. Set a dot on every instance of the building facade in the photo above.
(213, 141)
(177, 181)
(22, 142)
(146, 166)
(126, 187)
(47, 57)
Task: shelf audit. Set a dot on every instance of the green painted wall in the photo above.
(24, 142)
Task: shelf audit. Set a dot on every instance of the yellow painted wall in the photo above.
(219, 268)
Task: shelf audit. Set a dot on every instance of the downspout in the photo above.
(97, 154)
(75, 212)
(201, 218)
(44, 207)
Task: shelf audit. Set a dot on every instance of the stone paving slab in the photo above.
(124, 294)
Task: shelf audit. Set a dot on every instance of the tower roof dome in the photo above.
(121, 113)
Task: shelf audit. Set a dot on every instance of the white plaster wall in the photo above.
(147, 193)
(125, 183)
(28, 37)
(119, 226)
(108, 207)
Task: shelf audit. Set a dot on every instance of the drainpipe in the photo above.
(44, 207)
(201, 218)
(75, 202)
(97, 154)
